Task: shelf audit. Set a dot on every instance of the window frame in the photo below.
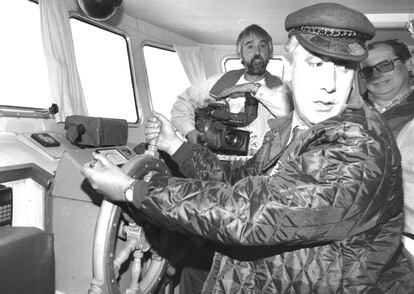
(156, 45)
(138, 108)
(26, 111)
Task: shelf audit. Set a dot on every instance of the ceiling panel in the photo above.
(220, 21)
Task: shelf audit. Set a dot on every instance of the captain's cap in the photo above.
(331, 29)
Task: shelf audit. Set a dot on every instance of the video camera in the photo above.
(219, 126)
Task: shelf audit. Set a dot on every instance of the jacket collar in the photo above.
(279, 135)
(231, 77)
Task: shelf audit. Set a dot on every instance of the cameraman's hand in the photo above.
(192, 136)
(236, 91)
(211, 140)
(158, 127)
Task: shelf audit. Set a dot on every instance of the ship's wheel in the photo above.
(123, 259)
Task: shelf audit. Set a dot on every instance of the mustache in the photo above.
(257, 57)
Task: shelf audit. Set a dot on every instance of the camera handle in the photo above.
(243, 119)
(251, 106)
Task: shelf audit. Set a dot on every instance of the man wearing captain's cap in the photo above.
(319, 208)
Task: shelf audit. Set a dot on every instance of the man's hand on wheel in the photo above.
(106, 177)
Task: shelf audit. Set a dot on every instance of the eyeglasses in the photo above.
(382, 67)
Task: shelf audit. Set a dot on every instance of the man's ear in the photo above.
(409, 64)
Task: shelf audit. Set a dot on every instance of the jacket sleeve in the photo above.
(182, 113)
(198, 162)
(405, 140)
(325, 189)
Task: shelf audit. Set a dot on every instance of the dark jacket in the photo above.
(399, 115)
(329, 221)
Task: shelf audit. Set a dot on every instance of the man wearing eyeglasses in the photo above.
(386, 74)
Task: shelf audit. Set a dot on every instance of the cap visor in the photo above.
(337, 48)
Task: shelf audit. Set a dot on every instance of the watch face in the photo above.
(129, 194)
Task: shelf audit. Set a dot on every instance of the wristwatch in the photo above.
(129, 192)
(256, 88)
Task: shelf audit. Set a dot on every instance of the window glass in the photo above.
(166, 78)
(275, 65)
(23, 69)
(103, 63)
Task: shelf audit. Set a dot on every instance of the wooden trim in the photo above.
(25, 171)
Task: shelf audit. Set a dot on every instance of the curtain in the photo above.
(192, 62)
(65, 85)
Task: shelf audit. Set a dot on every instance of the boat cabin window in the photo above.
(275, 66)
(23, 71)
(166, 77)
(103, 62)
(102, 58)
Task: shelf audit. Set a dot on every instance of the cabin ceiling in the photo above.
(220, 21)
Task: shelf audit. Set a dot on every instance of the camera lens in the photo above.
(232, 139)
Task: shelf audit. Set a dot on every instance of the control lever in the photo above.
(152, 148)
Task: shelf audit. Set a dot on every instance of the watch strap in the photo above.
(129, 192)
(139, 189)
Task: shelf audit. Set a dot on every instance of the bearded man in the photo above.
(254, 47)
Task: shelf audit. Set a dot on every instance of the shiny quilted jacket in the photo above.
(329, 220)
